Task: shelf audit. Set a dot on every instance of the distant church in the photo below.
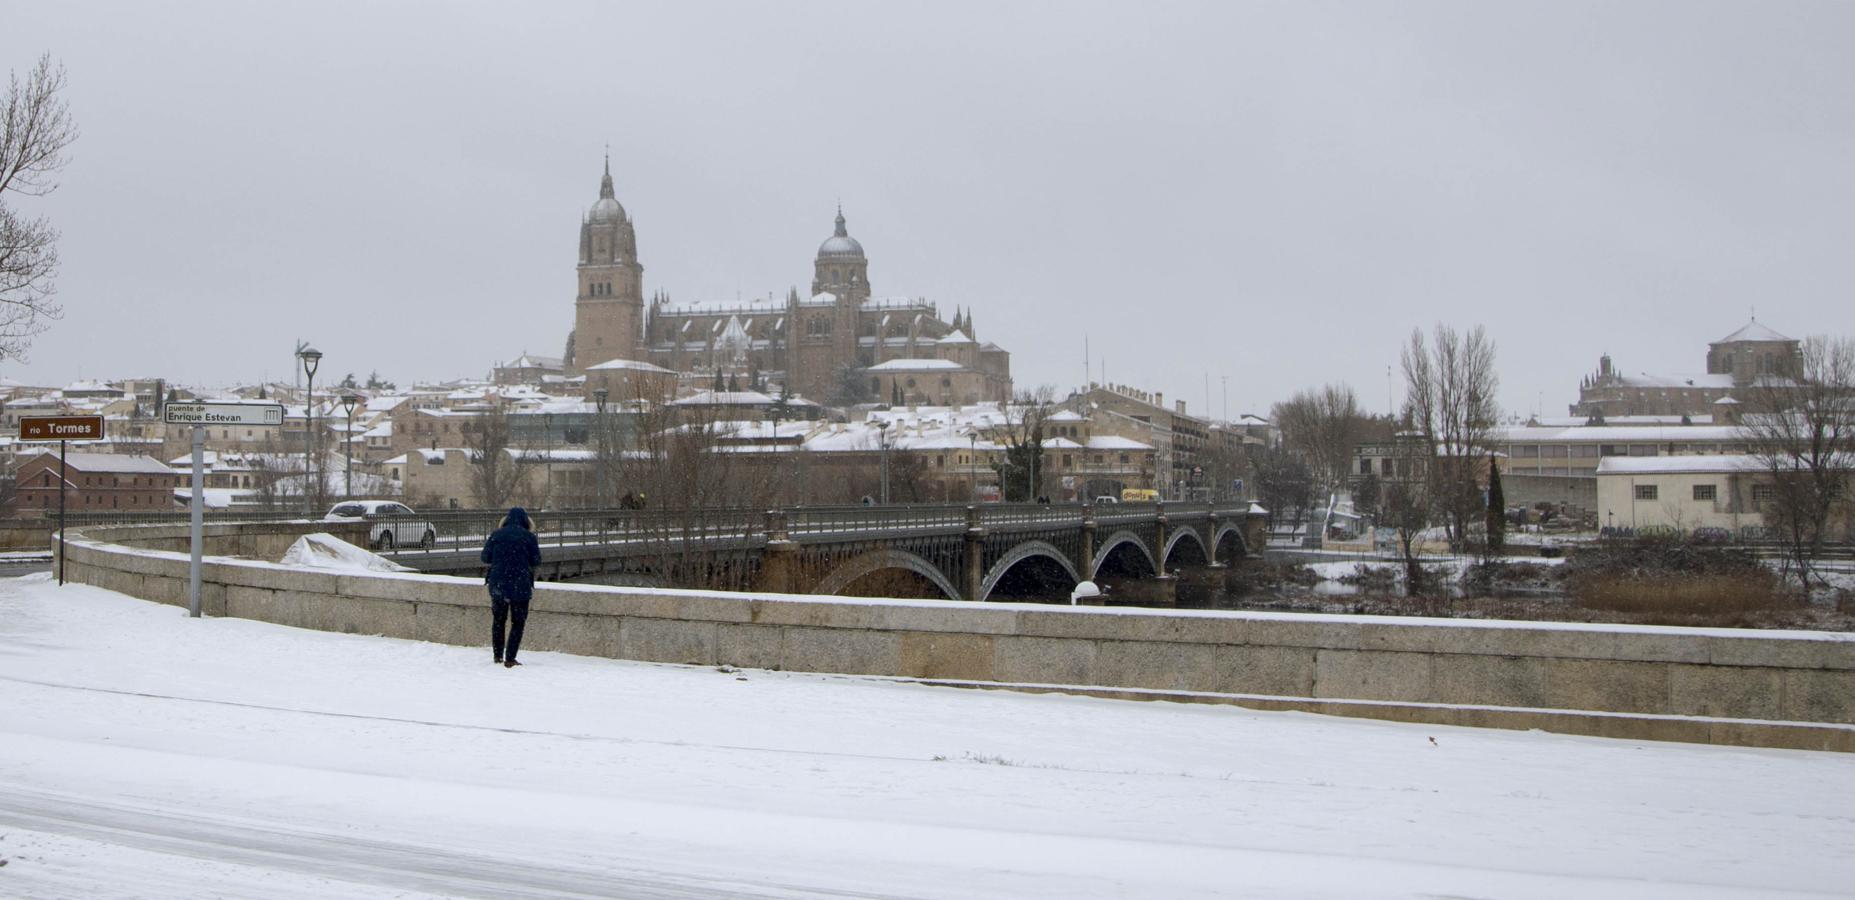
(837, 344)
(1755, 355)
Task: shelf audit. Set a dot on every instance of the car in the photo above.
(1106, 499)
(393, 524)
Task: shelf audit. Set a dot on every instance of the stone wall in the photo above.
(1759, 688)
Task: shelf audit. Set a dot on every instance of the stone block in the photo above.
(1661, 646)
(414, 588)
(449, 623)
(941, 655)
(747, 646)
(1091, 624)
(949, 616)
(1489, 680)
(1519, 640)
(1733, 692)
(1041, 660)
(1786, 653)
(1373, 675)
(1155, 665)
(1818, 695)
(667, 640)
(843, 650)
(1306, 631)
(1269, 671)
(565, 633)
(1607, 685)
(818, 613)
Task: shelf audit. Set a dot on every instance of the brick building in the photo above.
(97, 481)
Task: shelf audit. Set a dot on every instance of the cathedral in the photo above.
(838, 344)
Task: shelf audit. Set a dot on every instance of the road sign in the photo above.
(223, 414)
(61, 428)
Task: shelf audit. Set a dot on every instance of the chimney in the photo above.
(1178, 406)
(1159, 400)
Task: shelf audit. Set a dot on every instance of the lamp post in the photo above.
(312, 359)
(348, 402)
(882, 439)
(972, 463)
(599, 451)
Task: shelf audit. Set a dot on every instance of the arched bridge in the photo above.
(988, 551)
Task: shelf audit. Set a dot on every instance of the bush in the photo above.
(1674, 582)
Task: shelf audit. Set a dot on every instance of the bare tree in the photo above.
(1022, 465)
(1323, 426)
(35, 130)
(498, 468)
(1450, 383)
(1803, 434)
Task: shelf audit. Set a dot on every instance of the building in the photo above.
(816, 346)
(1683, 493)
(1181, 442)
(1753, 355)
(95, 482)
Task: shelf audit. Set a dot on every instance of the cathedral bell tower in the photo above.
(843, 271)
(608, 320)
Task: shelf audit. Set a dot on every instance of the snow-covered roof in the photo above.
(915, 365)
(1647, 465)
(1678, 380)
(1115, 442)
(628, 364)
(112, 462)
(726, 398)
(1617, 434)
(1065, 415)
(1060, 443)
(529, 361)
(1752, 331)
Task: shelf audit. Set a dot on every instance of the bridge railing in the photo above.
(464, 531)
(817, 521)
(994, 514)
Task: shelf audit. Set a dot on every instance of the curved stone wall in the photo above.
(1759, 688)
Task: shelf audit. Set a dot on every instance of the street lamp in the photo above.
(972, 463)
(312, 359)
(348, 402)
(882, 439)
(599, 450)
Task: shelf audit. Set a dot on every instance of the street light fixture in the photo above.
(348, 402)
(882, 438)
(599, 450)
(312, 360)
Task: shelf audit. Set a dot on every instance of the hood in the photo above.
(519, 517)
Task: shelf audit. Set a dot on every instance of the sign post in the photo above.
(62, 429)
(200, 415)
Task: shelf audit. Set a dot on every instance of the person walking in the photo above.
(512, 554)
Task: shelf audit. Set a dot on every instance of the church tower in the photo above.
(843, 271)
(608, 320)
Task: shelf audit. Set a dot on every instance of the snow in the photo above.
(322, 550)
(914, 365)
(1752, 331)
(1645, 465)
(144, 754)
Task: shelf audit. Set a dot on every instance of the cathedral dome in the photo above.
(606, 209)
(841, 243)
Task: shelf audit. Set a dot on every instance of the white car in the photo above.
(394, 524)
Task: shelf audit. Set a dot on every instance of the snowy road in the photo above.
(146, 755)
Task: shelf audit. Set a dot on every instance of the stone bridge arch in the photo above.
(1234, 532)
(1181, 536)
(876, 561)
(1020, 553)
(1114, 540)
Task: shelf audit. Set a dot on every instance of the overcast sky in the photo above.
(1274, 193)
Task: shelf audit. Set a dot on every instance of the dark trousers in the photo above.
(515, 613)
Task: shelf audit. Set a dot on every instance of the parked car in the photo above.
(1106, 499)
(393, 524)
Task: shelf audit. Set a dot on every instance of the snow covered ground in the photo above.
(143, 754)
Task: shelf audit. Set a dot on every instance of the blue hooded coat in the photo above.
(512, 554)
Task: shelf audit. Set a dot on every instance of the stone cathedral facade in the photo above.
(838, 343)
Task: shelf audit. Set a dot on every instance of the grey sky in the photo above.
(1275, 192)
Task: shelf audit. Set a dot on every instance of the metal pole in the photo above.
(309, 451)
(64, 485)
(972, 465)
(347, 443)
(197, 521)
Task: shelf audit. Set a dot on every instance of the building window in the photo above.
(1365, 467)
(1763, 493)
(1645, 492)
(1704, 492)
